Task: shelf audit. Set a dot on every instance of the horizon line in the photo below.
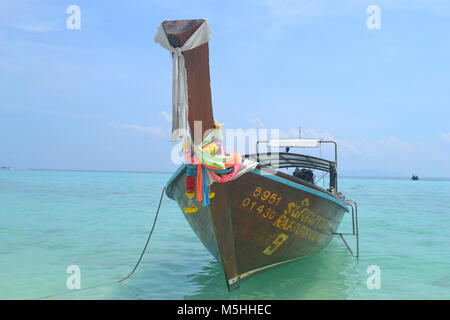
(168, 172)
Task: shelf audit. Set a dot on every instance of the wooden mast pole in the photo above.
(197, 72)
(200, 109)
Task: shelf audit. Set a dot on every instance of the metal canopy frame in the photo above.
(289, 160)
(355, 229)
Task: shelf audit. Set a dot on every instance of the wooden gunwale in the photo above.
(282, 178)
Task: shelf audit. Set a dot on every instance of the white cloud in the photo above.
(389, 156)
(366, 148)
(35, 26)
(30, 16)
(256, 122)
(292, 8)
(445, 136)
(155, 131)
(166, 116)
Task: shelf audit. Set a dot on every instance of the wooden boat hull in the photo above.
(260, 220)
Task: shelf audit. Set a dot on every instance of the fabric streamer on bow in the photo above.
(179, 79)
(212, 164)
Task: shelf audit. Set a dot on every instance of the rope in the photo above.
(132, 271)
(148, 238)
(322, 178)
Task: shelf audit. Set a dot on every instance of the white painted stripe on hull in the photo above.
(245, 274)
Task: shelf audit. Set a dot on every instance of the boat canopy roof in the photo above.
(294, 143)
(298, 143)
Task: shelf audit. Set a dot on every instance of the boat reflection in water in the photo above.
(330, 274)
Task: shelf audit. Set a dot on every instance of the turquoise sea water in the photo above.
(99, 221)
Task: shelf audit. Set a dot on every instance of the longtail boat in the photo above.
(249, 215)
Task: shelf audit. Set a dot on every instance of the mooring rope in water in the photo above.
(132, 271)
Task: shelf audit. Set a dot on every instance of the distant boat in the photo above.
(5, 168)
(414, 177)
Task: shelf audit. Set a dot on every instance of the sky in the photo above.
(99, 97)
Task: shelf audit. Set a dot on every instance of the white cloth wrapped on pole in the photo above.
(180, 106)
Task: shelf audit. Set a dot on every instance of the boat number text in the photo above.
(296, 218)
(266, 195)
(261, 209)
(275, 244)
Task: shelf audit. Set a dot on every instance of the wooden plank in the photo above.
(223, 228)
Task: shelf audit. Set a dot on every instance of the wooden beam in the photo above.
(197, 71)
